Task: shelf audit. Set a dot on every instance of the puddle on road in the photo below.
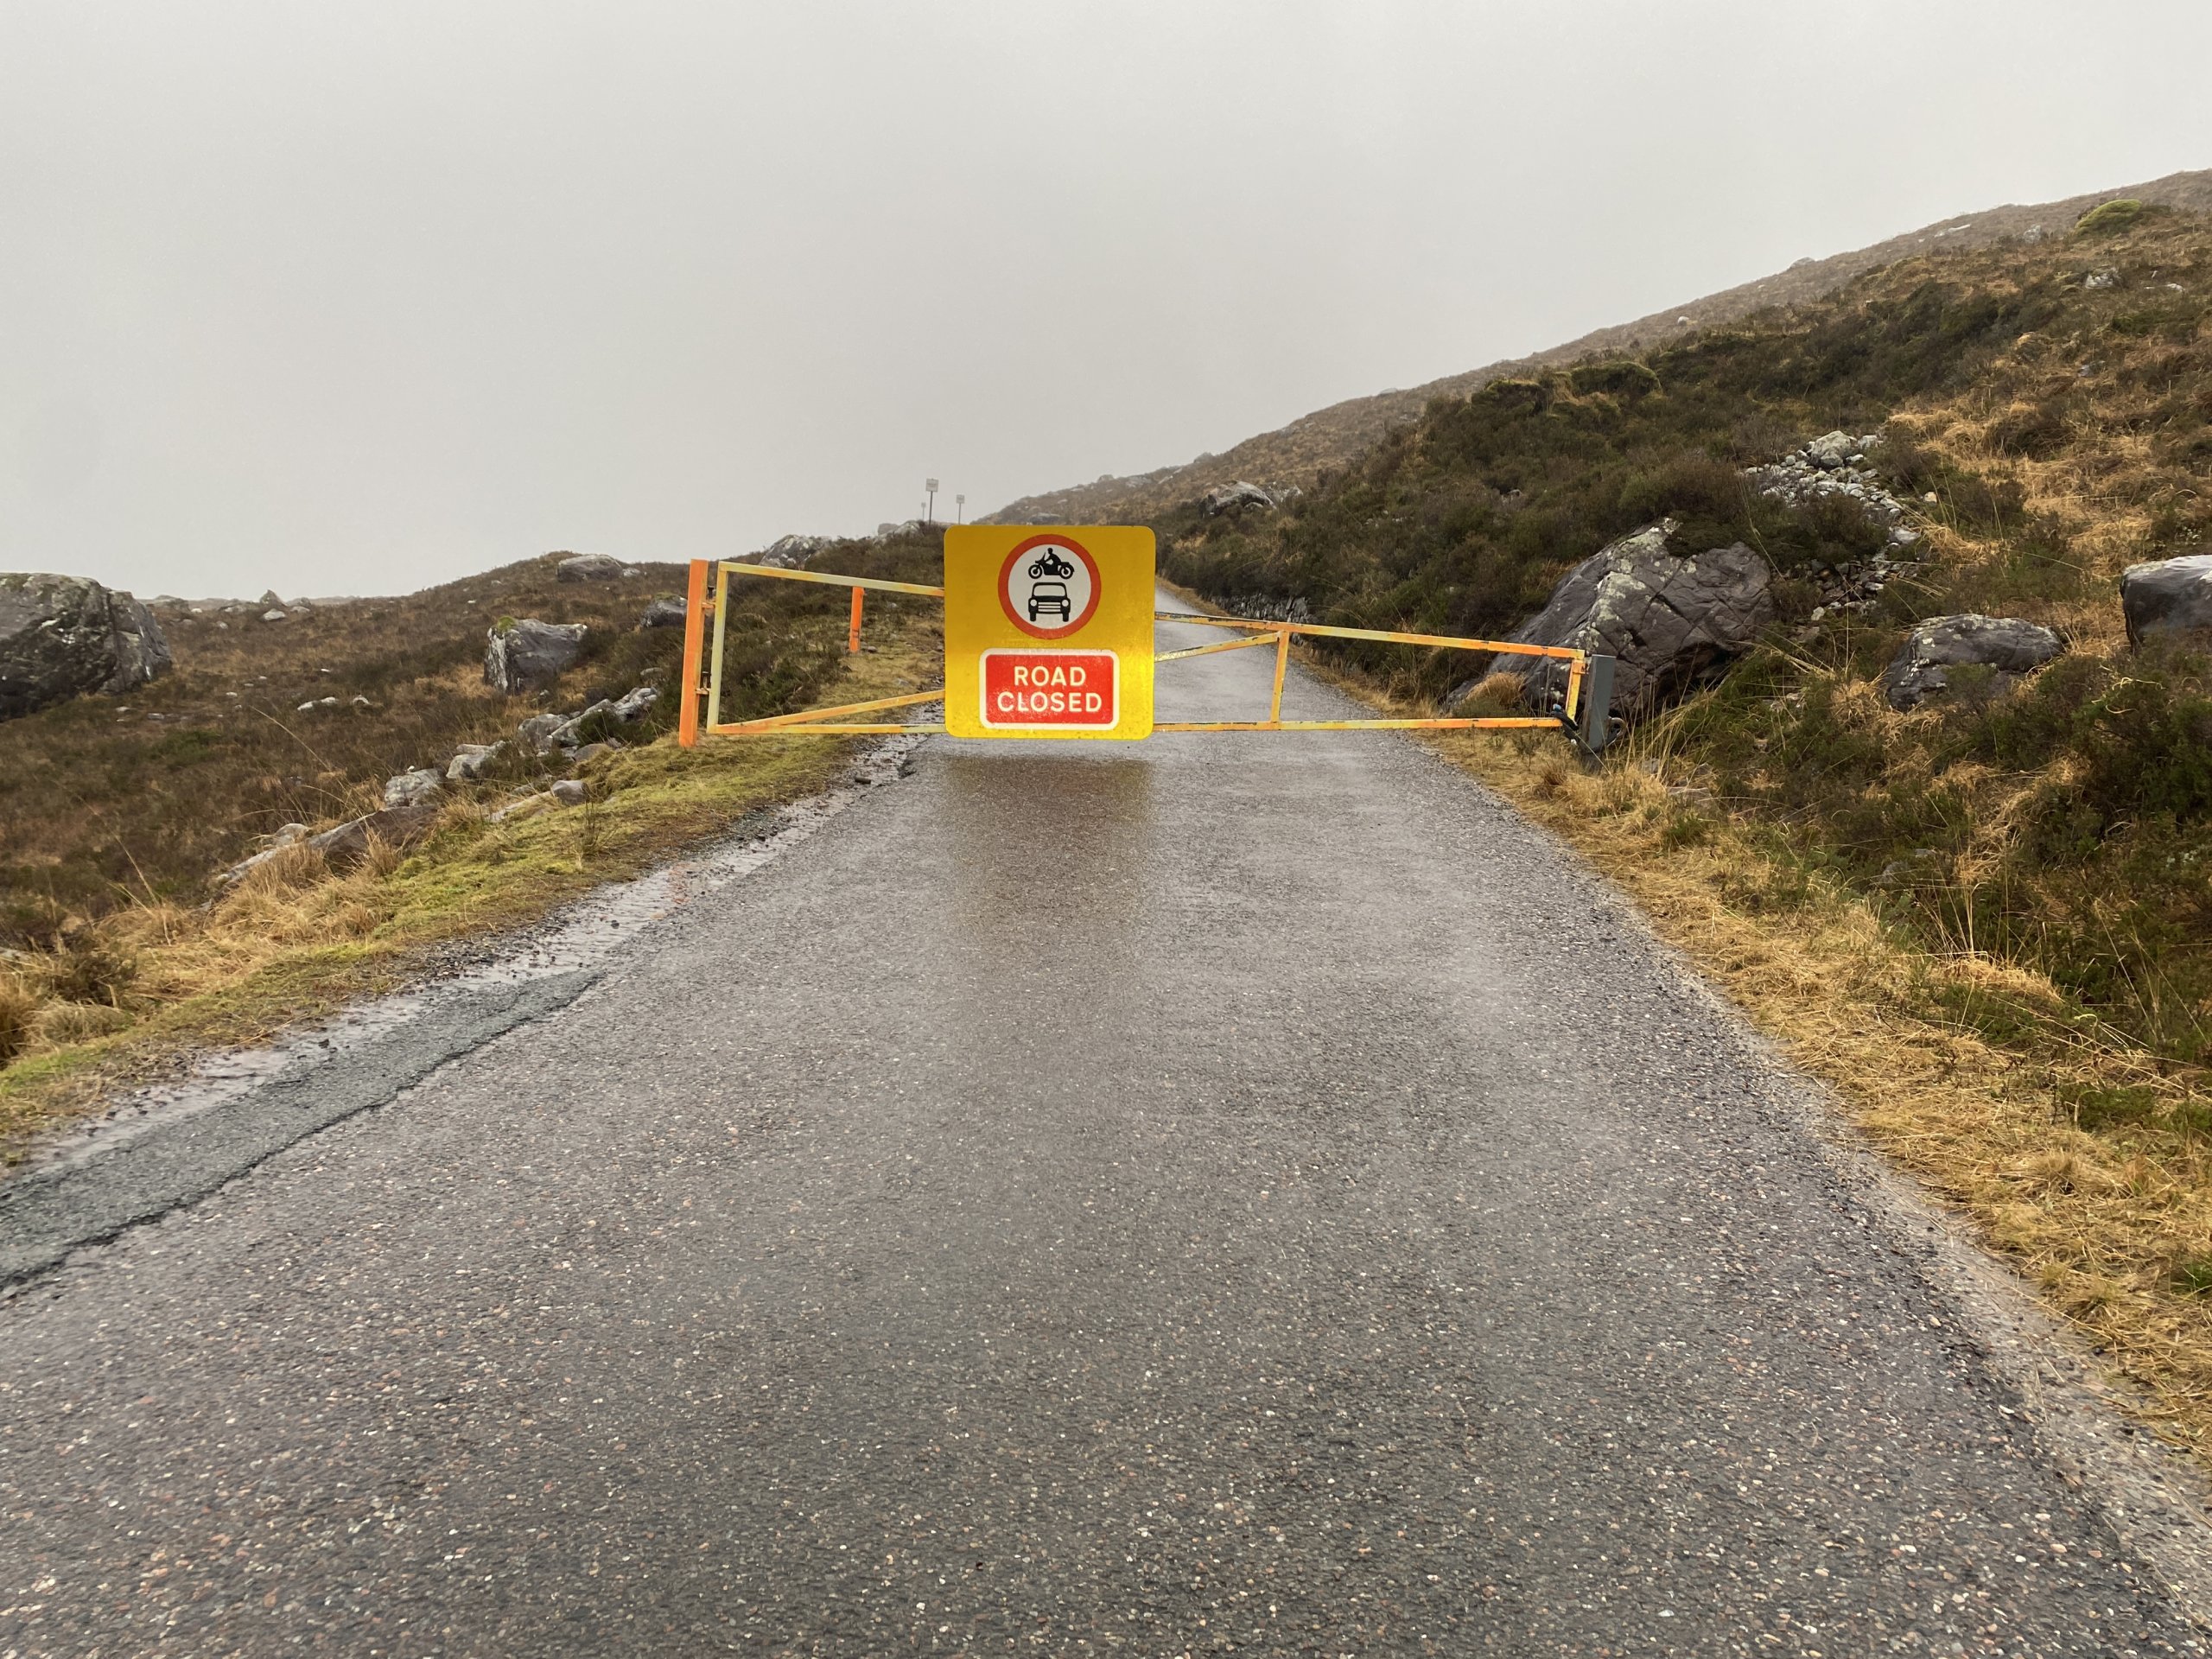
(594, 932)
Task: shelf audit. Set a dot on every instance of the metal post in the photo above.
(1596, 721)
(1282, 661)
(853, 633)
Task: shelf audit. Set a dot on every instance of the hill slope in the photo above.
(120, 809)
(1296, 453)
(2047, 410)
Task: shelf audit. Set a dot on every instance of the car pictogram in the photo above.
(1050, 596)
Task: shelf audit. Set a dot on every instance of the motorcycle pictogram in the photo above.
(1049, 564)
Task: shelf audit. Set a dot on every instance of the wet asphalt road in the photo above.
(1233, 1194)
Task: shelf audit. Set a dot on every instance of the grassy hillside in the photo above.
(1332, 437)
(116, 944)
(2062, 429)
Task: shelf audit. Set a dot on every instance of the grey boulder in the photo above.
(2164, 596)
(529, 655)
(600, 721)
(1833, 451)
(416, 788)
(665, 613)
(470, 759)
(632, 704)
(1230, 498)
(792, 552)
(588, 566)
(2006, 644)
(1670, 619)
(395, 826)
(537, 731)
(61, 637)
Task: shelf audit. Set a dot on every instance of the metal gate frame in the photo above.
(1589, 677)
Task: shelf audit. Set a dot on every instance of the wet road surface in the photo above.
(1230, 1194)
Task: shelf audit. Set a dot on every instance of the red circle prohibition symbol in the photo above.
(1014, 612)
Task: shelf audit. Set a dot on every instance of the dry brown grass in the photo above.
(126, 996)
(2105, 1227)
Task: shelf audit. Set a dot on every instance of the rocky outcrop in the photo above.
(2167, 597)
(543, 734)
(1231, 498)
(395, 826)
(470, 761)
(1670, 619)
(416, 788)
(536, 734)
(1829, 468)
(665, 613)
(61, 637)
(588, 566)
(527, 655)
(2006, 643)
(792, 552)
(347, 843)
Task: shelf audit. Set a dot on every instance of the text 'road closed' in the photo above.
(1067, 691)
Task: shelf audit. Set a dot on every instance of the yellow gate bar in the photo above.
(735, 569)
(1526, 722)
(808, 717)
(1449, 641)
(1208, 650)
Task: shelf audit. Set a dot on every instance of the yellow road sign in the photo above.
(1048, 631)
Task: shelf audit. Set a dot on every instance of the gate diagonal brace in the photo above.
(1584, 713)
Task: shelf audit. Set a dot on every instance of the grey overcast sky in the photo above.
(358, 296)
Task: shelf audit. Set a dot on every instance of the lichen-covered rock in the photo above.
(61, 637)
(2167, 597)
(600, 721)
(2006, 644)
(415, 788)
(1231, 498)
(529, 655)
(665, 613)
(470, 761)
(537, 731)
(1670, 619)
(588, 566)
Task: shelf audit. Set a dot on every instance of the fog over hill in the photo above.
(1293, 455)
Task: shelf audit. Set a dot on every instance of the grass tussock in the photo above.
(103, 980)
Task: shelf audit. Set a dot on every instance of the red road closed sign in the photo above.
(1058, 691)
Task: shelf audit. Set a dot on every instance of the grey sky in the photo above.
(335, 297)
